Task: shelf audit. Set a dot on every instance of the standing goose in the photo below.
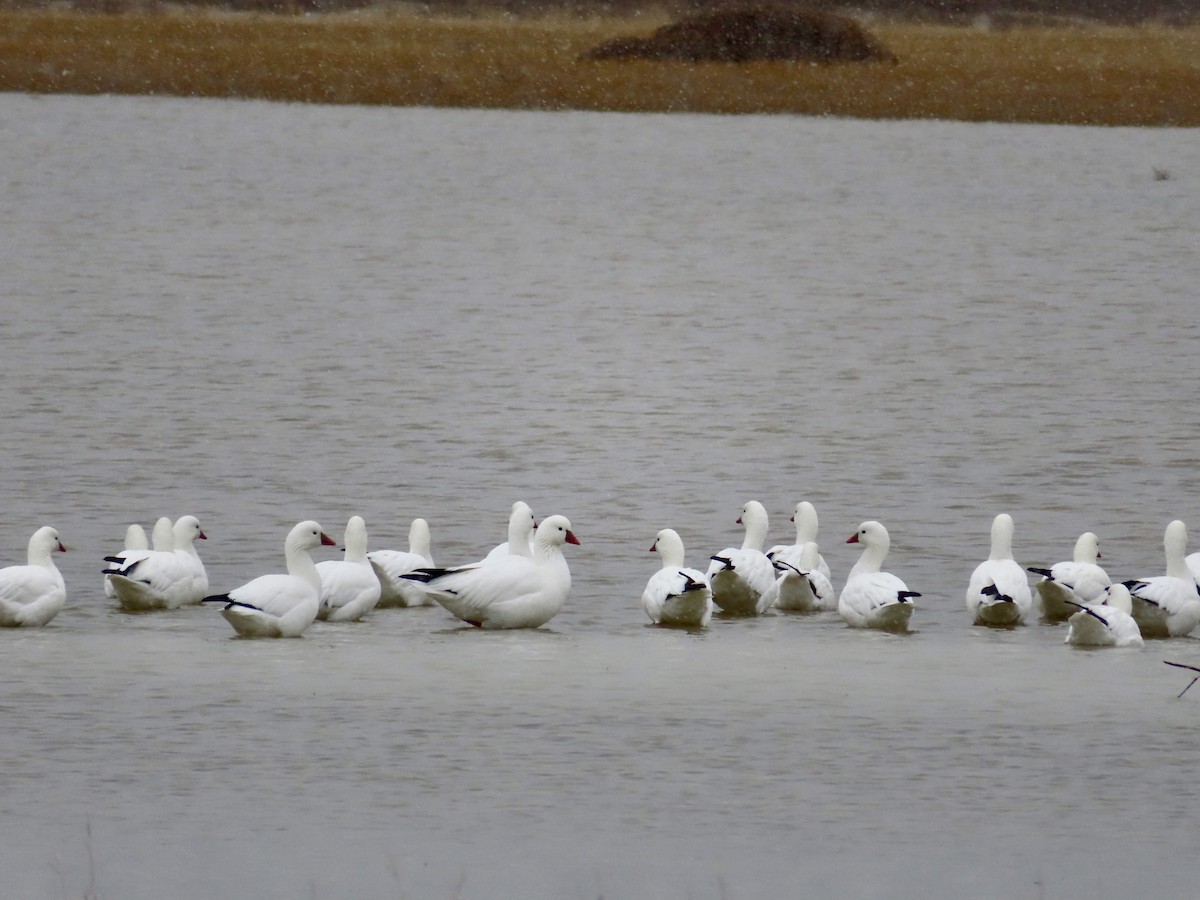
(1168, 605)
(998, 593)
(162, 578)
(1077, 580)
(740, 577)
(805, 519)
(34, 593)
(391, 565)
(280, 605)
(349, 586)
(675, 595)
(802, 586)
(512, 591)
(872, 598)
(1106, 624)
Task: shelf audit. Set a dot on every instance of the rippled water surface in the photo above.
(264, 313)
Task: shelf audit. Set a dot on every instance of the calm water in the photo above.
(264, 313)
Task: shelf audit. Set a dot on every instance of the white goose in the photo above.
(162, 540)
(135, 542)
(280, 605)
(33, 594)
(805, 518)
(740, 577)
(162, 578)
(512, 591)
(1106, 624)
(521, 527)
(675, 595)
(998, 592)
(186, 532)
(1168, 605)
(349, 586)
(801, 586)
(872, 598)
(1077, 580)
(391, 565)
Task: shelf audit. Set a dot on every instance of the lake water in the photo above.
(264, 313)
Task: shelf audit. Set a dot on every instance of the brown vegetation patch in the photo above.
(752, 33)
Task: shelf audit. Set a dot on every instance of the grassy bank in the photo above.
(1144, 75)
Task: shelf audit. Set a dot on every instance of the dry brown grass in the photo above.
(1089, 74)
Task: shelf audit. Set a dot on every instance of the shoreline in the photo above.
(1093, 74)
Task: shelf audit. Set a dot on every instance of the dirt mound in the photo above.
(752, 33)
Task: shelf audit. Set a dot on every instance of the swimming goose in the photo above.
(135, 542)
(391, 565)
(805, 518)
(801, 585)
(872, 598)
(521, 527)
(1105, 624)
(162, 540)
(1077, 580)
(512, 591)
(280, 605)
(676, 595)
(162, 578)
(349, 587)
(1168, 605)
(741, 576)
(1009, 600)
(34, 593)
(186, 532)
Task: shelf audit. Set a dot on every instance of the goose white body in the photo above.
(806, 522)
(33, 594)
(998, 593)
(676, 596)
(1168, 605)
(1080, 579)
(280, 605)
(740, 577)
(135, 542)
(349, 586)
(1107, 624)
(162, 540)
(391, 565)
(802, 585)
(872, 598)
(162, 578)
(512, 591)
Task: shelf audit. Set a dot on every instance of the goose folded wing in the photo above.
(273, 594)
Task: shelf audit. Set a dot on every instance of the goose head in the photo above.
(44, 542)
(554, 532)
(186, 530)
(306, 536)
(669, 545)
(1087, 548)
